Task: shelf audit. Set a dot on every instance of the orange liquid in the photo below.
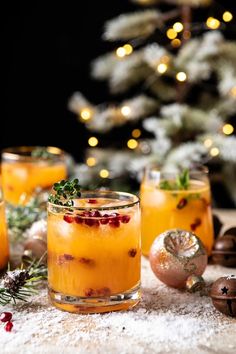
(94, 261)
(4, 246)
(162, 210)
(20, 179)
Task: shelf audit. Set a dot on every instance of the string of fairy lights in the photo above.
(121, 52)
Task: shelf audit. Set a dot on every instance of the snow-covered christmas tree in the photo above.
(178, 80)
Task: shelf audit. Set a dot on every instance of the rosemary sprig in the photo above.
(19, 284)
(181, 182)
(64, 192)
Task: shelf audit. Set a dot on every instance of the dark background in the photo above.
(47, 48)
(47, 52)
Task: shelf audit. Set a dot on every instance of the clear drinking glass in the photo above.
(165, 207)
(4, 244)
(94, 253)
(24, 169)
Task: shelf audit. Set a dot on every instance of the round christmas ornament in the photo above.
(175, 255)
(231, 231)
(224, 251)
(195, 283)
(223, 295)
(35, 246)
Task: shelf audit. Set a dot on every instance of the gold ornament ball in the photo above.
(175, 255)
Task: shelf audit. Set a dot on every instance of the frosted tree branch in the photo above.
(128, 26)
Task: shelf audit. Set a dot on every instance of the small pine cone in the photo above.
(15, 279)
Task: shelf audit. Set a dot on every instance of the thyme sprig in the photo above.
(64, 192)
(181, 182)
(21, 283)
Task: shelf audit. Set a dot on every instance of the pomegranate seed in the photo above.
(95, 213)
(114, 222)
(89, 292)
(5, 316)
(182, 203)
(104, 221)
(103, 292)
(68, 257)
(91, 222)
(63, 258)
(8, 326)
(68, 218)
(92, 201)
(78, 220)
(197, 222)
(113, 215)
(125, 219)
(87, 261)
(86, 213)
(132, 252)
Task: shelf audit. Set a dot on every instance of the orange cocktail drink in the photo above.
(94, 252)
(24, 169)
(4, 245)
(165, 204)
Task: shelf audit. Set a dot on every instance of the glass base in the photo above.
(85, 305)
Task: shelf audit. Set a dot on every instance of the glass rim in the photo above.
(200, 168)
(18, 153)
(128, 204)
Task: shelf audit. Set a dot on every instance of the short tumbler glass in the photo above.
(94, 253)
(4, 244)
(167, 208)
(23, 171)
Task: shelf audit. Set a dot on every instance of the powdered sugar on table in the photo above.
(166, 321)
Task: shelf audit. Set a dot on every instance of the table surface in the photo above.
(166, 321)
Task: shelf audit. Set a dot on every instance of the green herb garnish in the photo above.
(181, 182)
(65, 192)
(21, 217)
(42, 152)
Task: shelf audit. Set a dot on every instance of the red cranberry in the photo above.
(5, 316)
(68, 218)
(8, 326)
(92, 201)
(125, 219)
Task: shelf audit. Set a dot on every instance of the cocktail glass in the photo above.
(94, 253)
(24, 171)
(165, 207)
(4, 244)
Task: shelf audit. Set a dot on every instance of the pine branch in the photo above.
(20, 218)
(20, 284)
